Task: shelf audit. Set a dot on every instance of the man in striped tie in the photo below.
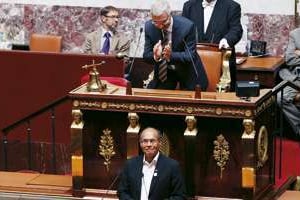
(170, 44)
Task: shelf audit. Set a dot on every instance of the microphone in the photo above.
(111, 185)
(127, 76)
(191, 57)
(212, 38)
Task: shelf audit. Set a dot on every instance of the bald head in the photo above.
(151, 131)
(150, 143)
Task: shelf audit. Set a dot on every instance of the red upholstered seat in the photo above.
(113, 80)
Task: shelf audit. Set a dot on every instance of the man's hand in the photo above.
(167, 52)
(157, 51)
(223, 44)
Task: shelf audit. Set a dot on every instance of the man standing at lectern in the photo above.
(106, 40)
(152, 175)
(170, 45)
(217, 21)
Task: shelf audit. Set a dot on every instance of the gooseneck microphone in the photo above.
(191, 57)
(127, 76)
(112, 184)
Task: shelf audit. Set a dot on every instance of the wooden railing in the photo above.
(28, 121)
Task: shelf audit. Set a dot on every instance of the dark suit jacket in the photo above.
(224, 23)
(168, 184)
(189, 70)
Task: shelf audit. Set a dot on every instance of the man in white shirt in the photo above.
(217, 21)
(151, 175)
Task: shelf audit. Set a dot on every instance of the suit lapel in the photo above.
(97, 40)
(199, 9)
(174, 33)
(114, 42)
(212, 25)
(139, 176)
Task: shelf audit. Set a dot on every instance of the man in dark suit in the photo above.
(170, 45)
(152, 175)
(217, 21)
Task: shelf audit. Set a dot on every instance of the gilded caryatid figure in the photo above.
(77, 119)
(134, 126)
(225, 79)
(191, 126)
(249, 131)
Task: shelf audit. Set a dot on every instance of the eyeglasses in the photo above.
(113, 16)
(161, 22)
(145, 141)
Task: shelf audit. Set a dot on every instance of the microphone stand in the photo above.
(111, 185)
(127, 76)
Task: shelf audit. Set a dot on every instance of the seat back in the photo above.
(45, 43)
(212, 59)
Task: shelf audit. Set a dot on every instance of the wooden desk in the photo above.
(264, 70)
(219, 115)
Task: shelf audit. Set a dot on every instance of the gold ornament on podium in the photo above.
(106, 147)
(94, 84)
(221, 153)
(262, 146)
(225, 79)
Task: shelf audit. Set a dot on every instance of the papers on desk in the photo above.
(240, 60)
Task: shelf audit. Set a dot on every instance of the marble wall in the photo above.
(18, 21)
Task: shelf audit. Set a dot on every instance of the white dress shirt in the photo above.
(208, 9)
(148, 173)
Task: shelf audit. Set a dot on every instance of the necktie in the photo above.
(106, 44)
(205, 3)
(163, 66)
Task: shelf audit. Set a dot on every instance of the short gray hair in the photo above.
(159, 7)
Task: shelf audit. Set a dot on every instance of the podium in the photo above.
(228, 154)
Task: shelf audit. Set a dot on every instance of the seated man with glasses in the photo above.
(170, 45)
(106, 40)
(151, 175)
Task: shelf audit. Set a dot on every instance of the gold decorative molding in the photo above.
(221, 153)
(205, 109)
(268, 102)
(248, 177)
(225, 79)
(106, 147)
(262, 146)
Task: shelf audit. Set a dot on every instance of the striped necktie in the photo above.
(163, 66)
